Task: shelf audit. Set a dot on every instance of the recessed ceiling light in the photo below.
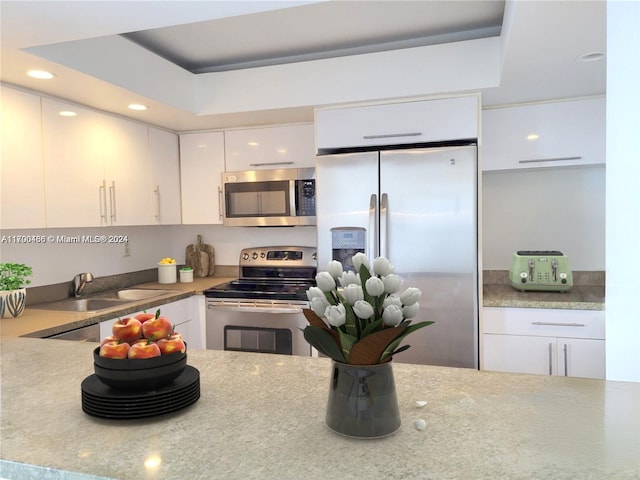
(40, 74)
(532, 136)
(137, 106)
(67, 113)
(591, 57)
(253, 144)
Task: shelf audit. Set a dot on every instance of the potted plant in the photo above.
(13, 294)
(360, 326)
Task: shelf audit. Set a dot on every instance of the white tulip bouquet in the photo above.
(363, 322)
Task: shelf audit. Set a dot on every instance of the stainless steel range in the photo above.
(262, 310)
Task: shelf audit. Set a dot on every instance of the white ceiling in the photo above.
(107, 54)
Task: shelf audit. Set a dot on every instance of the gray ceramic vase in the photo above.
(362, 400)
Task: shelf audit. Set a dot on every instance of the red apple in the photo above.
(156, 328)
(143, 317)
(127, 329)
(171, 344)
(115, 349)
(144, 349)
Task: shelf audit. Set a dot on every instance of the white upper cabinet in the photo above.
(22, 202)
(290, 146)
(201, 167)
(398, 123)
(96, 168)
(164, 152)
(544, 135)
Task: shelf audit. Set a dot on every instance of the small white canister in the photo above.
(166, 273)
(186, 275)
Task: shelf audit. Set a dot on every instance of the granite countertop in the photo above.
(261, 416)
(587, 293)
(39, 322)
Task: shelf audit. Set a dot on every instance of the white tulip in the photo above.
(325, 281)
(392, 300)
(319, 305)
(335, 269)
(410, 296)
(392, 315)
(392, 283)
(349, 278)
(410, 311)
(363, 309)
(360, 259)
(336, 315)
(374, 286)
(313, 292)
(353, 293)
(382, 266)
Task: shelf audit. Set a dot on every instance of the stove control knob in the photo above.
(245, 256)
(262, 255)
(254, 255)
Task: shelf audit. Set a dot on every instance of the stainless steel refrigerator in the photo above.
(417, 207)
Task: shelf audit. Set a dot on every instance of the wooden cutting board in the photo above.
(200, 257)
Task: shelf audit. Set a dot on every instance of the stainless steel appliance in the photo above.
(262, 310)
(541, 270)
(262, 198)
(417, 207)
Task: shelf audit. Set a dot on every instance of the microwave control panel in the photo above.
(306, 198)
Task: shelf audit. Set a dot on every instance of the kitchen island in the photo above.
(261, 416)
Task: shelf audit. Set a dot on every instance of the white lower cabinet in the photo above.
(187, 310)
(551, 342)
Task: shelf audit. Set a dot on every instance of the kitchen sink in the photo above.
(102, 301)
(131, 294)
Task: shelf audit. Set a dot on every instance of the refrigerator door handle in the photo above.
(384, 224)
(372, 247)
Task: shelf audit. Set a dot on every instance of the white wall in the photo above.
(623, 183)
(544, 209)
(57, 262)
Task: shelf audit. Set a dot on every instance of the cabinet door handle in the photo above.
(102, 193)
(550, 359)
(112, 200)
(384, 222)
(392, 135)
(558, 159)
(559, 324)
(220, 203)
(373, 226)
(269, 164)
(566, 372)
(156, 192)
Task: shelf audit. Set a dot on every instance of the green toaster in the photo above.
(540, 270)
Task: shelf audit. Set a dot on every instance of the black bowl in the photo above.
(139, 374)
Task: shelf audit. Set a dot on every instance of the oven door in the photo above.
(257, 326)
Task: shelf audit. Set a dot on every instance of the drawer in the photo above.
(544, 322)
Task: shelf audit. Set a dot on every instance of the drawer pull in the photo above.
(392, 135)
(553, 324)
(559, 159)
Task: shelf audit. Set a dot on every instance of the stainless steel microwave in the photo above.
(269, 198)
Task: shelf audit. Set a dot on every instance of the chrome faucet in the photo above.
(79, 282)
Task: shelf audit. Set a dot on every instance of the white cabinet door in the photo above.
(291, 146)
(127, 172)
(74, 147)
(519, 354)
(398, 123)
(201, 167)
(578, 357)
(544, 135)
(164, 152)
(22, 202)
(96, 168)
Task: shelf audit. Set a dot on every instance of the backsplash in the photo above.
(58, 262)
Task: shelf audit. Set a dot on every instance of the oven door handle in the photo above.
(256, 309)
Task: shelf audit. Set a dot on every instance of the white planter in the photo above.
(12, 302)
